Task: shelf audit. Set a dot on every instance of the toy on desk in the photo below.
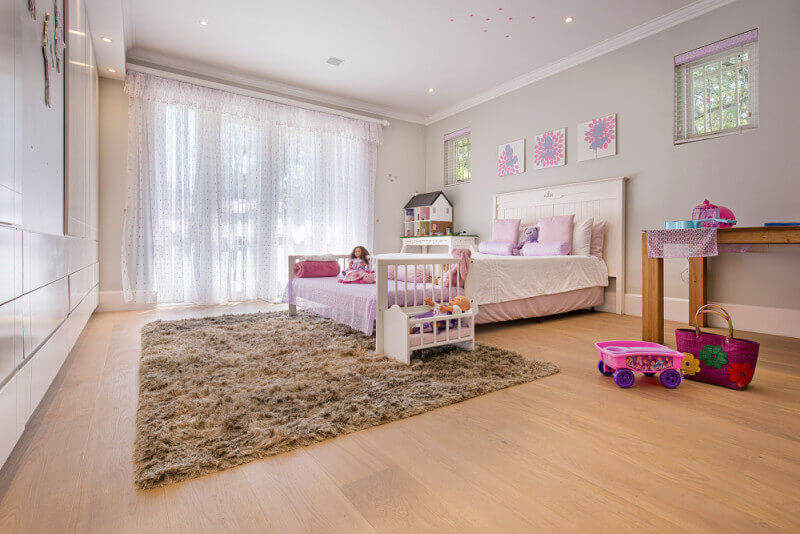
(713, 216)
(457, 304)
(622, 358)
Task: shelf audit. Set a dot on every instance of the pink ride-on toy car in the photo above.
(622, 358)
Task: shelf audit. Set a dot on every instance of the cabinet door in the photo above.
(77, 86)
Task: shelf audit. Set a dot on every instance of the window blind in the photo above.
(457, 155)
(716, 88)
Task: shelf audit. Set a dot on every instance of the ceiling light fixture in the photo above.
(335, 61)
(568, 20)
(430, 89)
(203, 23)
(112, 71)
(106, 39)
(76, 32)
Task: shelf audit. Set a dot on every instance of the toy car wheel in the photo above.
(670, 378)
(623, 378)
(602, 368)
(649, 374)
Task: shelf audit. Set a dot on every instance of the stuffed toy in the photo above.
(457, 304)
(531, 236)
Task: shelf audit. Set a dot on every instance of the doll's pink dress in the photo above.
(358, 273)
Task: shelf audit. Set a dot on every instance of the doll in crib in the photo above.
(358, 268)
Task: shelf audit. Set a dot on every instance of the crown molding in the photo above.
(625, 38)
(150, 58)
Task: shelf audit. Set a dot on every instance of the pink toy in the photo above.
(531, 236)
(622, 358)
(707, 210)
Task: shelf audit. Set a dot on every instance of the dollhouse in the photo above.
(428, 214)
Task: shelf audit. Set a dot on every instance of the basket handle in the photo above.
(722, 313)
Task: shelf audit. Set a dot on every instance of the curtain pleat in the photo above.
(222, 187)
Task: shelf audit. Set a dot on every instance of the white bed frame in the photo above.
(602, 199)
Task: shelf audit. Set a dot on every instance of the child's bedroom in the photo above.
(508, 266)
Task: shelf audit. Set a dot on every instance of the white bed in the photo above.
(502, 287)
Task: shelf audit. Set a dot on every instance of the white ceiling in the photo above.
(393, 50)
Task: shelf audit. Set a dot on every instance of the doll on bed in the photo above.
(531, 236)
(457, 304)
(358, 268)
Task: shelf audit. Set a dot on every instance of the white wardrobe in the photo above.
(48, 201)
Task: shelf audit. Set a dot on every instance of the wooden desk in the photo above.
(653, 274)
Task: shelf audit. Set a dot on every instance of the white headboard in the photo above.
(602, 199)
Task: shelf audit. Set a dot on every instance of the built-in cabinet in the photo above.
(48, 204)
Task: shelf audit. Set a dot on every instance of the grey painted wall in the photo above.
(757, 173)
(402, 154)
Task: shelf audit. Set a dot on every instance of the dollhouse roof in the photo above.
(425, 199)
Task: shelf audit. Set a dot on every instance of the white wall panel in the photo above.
(7, 179)
(8, 419)
(80, 283)
(39, 134)
(45, 309)
(11, 320)
(10, 263)
(43, 258)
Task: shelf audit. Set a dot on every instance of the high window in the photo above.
(716, 88)
(457, 157)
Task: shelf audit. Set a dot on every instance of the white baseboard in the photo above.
(778, 321)
(115, 301)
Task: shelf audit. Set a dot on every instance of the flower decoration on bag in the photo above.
(713, 356)
(690, 365)
(740, 373)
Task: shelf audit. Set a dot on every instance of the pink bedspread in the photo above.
(356, 304)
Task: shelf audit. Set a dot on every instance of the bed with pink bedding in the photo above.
(356, 304)
(503, 288)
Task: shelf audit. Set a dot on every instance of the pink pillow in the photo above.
(548, 248)
(556, 229)
(497, 248)
(420, 273)
(505, 230)
(316, 269)
(598, 239)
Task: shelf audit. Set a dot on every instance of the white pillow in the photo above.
(582, 237)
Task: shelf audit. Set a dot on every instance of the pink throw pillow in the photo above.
(420, 273)
(548, 248)
(316, 269)
(598, 239)
(497, 248)
(556, 229)
(505, 230)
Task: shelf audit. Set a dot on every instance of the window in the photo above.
(716, 88)
(457, 157)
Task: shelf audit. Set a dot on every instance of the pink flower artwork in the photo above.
(597, 138)
(549, 149)
(511, 158)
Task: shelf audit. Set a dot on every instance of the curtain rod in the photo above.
(255, 93)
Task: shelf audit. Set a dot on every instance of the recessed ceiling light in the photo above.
(335, 61)
(106, 39)
(203, 23)
(430, 89)
(568, 19)
(112, 71)
(77, 32)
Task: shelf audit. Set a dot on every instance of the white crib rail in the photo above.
(427, 263)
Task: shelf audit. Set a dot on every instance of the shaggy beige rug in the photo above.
(222, 391)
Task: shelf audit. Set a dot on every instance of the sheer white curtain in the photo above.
(221, 187)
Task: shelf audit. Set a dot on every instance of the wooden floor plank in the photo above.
(571, 452)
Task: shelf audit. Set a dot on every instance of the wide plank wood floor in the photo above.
(571, 452)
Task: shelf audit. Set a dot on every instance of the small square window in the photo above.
(716, 88)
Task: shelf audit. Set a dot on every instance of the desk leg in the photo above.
(698, 288)
(652, 296)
